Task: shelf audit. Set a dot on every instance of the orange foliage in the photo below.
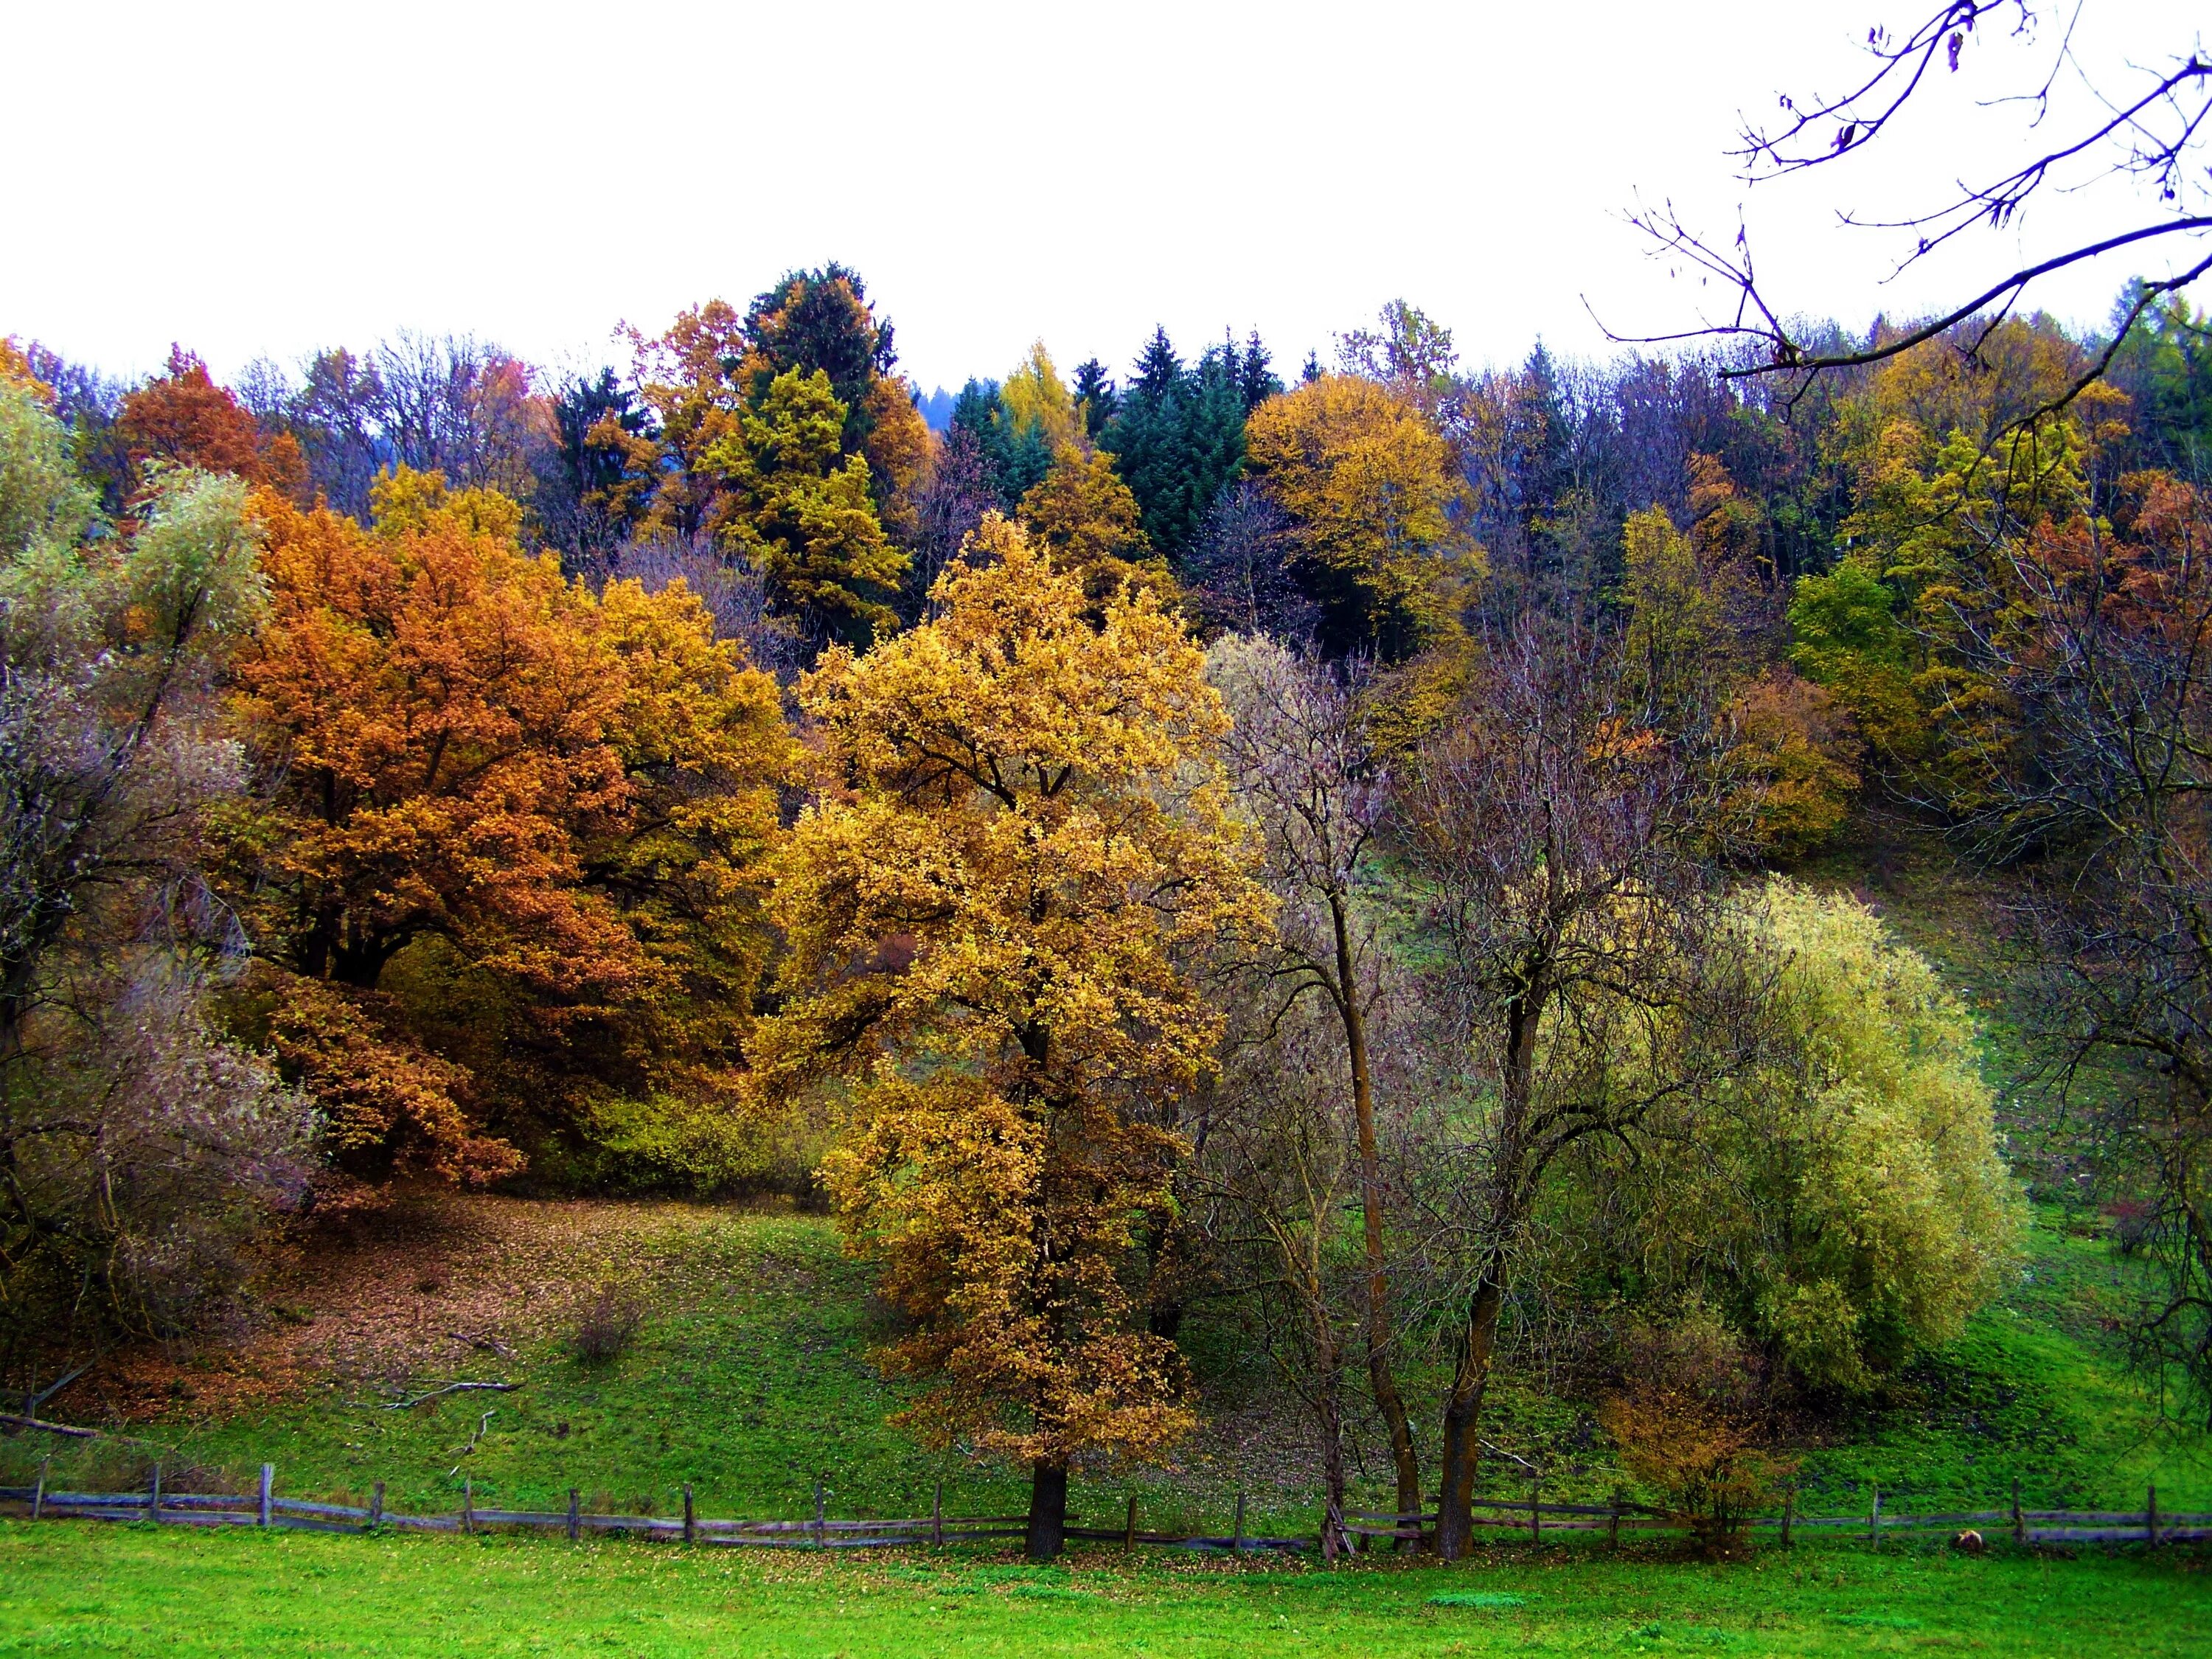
(186, 419)
(568, 792)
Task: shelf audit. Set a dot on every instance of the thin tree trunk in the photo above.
(1388, 1403)
(1332, 1466)
(1047, 1533)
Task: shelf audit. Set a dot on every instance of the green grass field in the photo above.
(92, 1589)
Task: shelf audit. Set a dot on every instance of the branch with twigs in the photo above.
(2159, 134)
(452, 1388)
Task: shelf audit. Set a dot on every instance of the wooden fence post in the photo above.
(468, 1505)
(39, 1494)
(690, 1519)
(1612, 1522)
(1788, 1511)
(821, 1516)
(1237, 1542)
(2018, 1523)
(572, 1527)
(937, 1516)
(1535, 1511)
(376, 1505)
(1129, 1532)
(153, 1495)
(2150, 1515)
(1874, 1514)
(268, 1491)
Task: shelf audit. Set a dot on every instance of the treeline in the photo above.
(1306, 852)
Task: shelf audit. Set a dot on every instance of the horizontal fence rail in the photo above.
(1532, 1516)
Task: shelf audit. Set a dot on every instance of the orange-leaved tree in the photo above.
(563, 797)
(183, 418)
(995, 904)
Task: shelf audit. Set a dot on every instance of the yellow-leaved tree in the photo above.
(994, 905)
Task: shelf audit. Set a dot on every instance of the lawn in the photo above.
(87, 1589)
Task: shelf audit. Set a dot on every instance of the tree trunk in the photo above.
(1388, 1403)
(1332, 1464)
(1047, 1533)
(1478, 1344)
(1462, 1440)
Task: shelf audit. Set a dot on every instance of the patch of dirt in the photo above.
(437, 1284)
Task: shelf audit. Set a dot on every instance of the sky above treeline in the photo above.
(267, 179)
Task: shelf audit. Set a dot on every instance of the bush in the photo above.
(1843, 1202)
(609, 1325)
(1686, 1424)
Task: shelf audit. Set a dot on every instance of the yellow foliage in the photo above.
(1371, 488)
(1035, 397)
(1906, 1219)
(992, 904)
(1084, 517)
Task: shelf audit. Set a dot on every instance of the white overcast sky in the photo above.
(265, 180)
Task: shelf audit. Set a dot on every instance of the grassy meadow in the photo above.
(140, 1589)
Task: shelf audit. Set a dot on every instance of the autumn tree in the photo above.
(1086, 521)
(139, 1149)
(564, 799)
(801, 510)
(993, 904)
(183, 418)
(1370, 487)
(1564, 843)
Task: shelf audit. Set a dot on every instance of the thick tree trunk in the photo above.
(1048, 1510)
(1391, 1405)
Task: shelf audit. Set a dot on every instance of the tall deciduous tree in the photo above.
(992, 906)
(1561, 839)
(568, 794)
(1371, 487)
(1309, 772)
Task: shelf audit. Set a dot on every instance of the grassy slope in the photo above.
(133, 1589)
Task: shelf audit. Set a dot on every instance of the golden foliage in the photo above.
(992, 904)
(574, 793)
(1084, 517)
(1376, 500)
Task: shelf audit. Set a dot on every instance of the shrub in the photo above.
(1685, 1426)
(609, 1325)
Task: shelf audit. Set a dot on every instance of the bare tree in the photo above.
(2143, 147)
(1565, 842)
(1280, 1169)
(1306, 768)
(734, 593)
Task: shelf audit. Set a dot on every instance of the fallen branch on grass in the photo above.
(10, 1419)
(452, 1388)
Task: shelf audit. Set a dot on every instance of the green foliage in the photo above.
(42, 500)
(1844, 1204)
(1177, 437)
(806, 518)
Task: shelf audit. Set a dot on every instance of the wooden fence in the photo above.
(1533, 1515)
(2148, 1525)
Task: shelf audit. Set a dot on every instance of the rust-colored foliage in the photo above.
(184, 419)
(568, 795)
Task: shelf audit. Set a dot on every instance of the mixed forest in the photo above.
(1321, 847)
